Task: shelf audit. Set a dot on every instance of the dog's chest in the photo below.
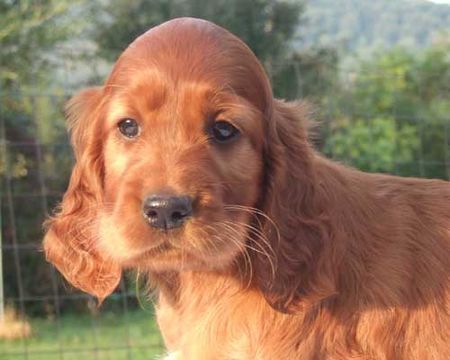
(215, 329)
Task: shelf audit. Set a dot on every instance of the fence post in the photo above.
(2, 299)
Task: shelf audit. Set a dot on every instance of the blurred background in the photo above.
(377, 72)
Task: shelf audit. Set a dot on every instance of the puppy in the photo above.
(189, 170)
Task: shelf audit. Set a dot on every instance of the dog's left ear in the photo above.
(297, 230)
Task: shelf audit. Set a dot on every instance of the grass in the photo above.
(108, 335)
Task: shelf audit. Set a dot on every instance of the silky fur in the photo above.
(315, 260)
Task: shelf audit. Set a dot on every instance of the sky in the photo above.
(440, 1)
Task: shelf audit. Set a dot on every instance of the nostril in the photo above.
(181, 214)
(151, 214)
(177, 215)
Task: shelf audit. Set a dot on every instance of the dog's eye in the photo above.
(223, 131)
(128, 128)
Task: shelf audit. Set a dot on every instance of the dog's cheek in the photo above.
(110, 240)
(117, 159)
(242, 170)
(122, 231)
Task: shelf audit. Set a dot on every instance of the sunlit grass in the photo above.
(12, 327)
(133, 335)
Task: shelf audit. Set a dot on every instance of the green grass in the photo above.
(83, 337)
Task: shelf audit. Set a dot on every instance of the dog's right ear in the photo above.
(70, 242)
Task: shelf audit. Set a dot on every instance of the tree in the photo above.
(374, 144)
(267, 26)
(29, 29)
(31, 124)
(394, 115)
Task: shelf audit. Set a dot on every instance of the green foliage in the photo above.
(310, 74)
(28, 31)
(364, 25)
(374, 145)
(408, 97)
(31, 132)
(266, 26)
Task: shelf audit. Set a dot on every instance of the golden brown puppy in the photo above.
(189, 170)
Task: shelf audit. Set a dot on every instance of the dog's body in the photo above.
(392, 301)
(189, 170)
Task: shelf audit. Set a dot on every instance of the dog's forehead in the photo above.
(187, 41)
(152, 94)
(194, 50)
(157, 100)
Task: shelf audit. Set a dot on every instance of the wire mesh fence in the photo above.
(395, 134)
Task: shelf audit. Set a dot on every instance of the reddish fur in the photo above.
(361, 262)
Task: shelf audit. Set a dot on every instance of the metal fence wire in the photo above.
(35, 163)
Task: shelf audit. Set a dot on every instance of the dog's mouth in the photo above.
(210, 240)
(170, 252)
(185, 253)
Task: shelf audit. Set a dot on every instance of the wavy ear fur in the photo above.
(291, 200)
(70, 239)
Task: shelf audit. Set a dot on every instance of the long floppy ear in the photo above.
(70, 241)
(298, 229)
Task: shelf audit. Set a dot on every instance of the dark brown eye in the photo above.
(128, 128)
(223, 131)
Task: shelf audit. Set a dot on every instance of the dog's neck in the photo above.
(174, 285)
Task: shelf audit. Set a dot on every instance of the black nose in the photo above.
(167, 212)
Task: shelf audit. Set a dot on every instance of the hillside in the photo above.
(361, 25)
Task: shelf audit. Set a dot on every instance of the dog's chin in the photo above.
(169, 253)
(188, 248)
(169, 256)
